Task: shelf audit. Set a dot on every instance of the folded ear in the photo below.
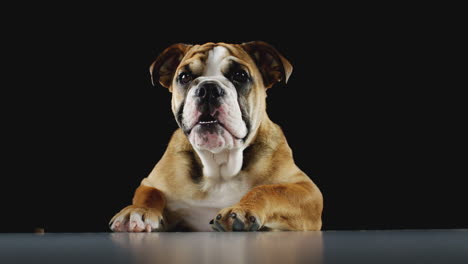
(272, 65)
(165, 65)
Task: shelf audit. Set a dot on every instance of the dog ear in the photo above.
(272, 65)
(165, 65)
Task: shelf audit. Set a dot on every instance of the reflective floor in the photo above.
(409, 246)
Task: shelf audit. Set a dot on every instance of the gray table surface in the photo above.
(399, 246)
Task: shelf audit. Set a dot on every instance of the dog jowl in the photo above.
(228, 167)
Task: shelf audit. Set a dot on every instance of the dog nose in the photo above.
(209, 90)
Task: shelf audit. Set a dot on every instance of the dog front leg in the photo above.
(290, 206)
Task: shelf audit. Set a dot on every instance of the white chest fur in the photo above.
(222, 183)
(198, 213)
(222, 166)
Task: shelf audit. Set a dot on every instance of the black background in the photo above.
(84, 126)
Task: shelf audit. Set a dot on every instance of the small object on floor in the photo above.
(39, 230)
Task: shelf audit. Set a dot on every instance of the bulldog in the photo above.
(227, 167)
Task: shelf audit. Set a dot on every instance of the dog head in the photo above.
(219, 90)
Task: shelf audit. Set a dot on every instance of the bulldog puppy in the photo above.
(228, 167)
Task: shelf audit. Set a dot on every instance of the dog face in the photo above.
(219, 90)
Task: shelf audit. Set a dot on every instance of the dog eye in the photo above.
(240, 76)
(185, 77)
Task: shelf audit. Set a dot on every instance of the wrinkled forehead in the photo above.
(212, 58)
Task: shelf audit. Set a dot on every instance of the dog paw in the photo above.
(137, 219)
(236, 219)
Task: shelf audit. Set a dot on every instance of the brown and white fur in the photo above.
(228, 167)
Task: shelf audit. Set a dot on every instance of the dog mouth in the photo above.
(211, 123)
(207, 120)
